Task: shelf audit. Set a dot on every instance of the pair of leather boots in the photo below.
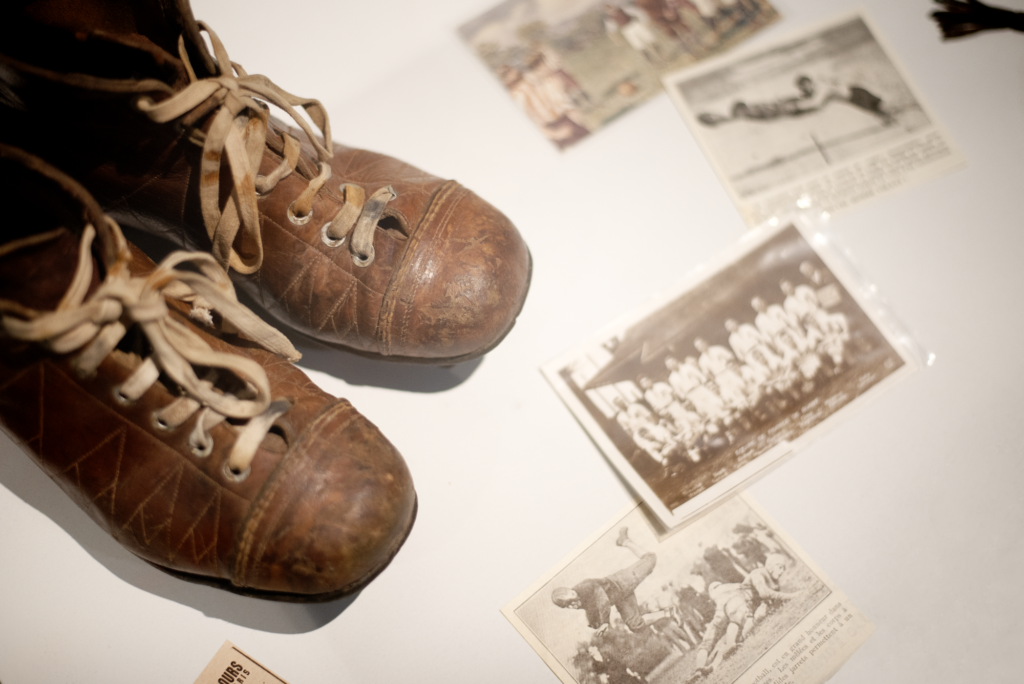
(166, 409)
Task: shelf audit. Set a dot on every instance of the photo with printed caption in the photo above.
(728, 598)
(824, 120)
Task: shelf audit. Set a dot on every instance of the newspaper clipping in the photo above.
(574, 65)
(728, 598)
(739, 366)
(825, 120)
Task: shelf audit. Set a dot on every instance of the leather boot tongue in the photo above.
(163, 21)
(160, 21)
(178, 13)
(46, 211)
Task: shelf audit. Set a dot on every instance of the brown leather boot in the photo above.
(198, 450)
(353, 248)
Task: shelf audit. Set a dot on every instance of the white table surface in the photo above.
(912, 506)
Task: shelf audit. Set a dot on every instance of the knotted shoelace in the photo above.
(95, 327)
(238, 131)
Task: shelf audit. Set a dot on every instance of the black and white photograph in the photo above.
(728, 374)
(713, 603)
(574, 65)
(789, 117)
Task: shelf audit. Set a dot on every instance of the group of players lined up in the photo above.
(705, 400)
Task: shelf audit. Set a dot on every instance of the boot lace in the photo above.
(238, 131)
(96, 324)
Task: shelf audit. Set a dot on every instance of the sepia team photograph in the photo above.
(706, 604)
(727, 375)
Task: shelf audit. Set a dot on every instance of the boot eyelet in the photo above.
(362, 260)
(233, 476)
(298, 220)
(122, 398)
(328, 240)
(201, 451)
(161, 424)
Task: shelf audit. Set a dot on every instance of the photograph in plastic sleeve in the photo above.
(728, 598)
(826, 120)
(702, 390)
(574, 65)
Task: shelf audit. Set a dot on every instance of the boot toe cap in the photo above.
(463, 285)
(334, 515)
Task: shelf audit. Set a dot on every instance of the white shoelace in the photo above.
(94, 326)
(239, 129)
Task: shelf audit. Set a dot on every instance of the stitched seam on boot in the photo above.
(404, 327)
(390, 298)
(175, 474)
(324, 259)
(39, 367)
(122, 433)
(294, 282)
(265, 498)
(337, 305)
(127, 425)
(180, 223)
(216, 531)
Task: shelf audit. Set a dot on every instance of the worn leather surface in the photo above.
(450, 274)
(327, 503)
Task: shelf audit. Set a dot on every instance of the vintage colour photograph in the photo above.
(731, 372)
(574, 65)
(727, 598)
